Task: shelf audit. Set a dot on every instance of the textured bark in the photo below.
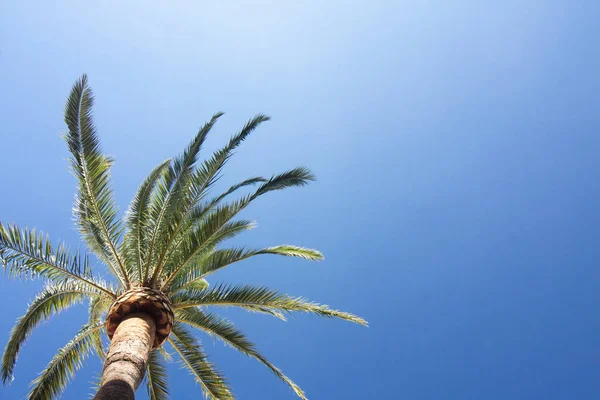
(128, 354)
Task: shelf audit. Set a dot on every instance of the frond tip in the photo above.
(230, 335)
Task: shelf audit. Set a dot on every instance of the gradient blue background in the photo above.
(456, 145)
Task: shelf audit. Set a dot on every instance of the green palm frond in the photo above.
(171, 194)
(299, 176)
(52, 381)
(157, 377)
(195, 284)
(193, 358)
(26, 253)
(257, 299)
(200, 181)
(97, 309)
(200, 211)
(94, 384)
(137, 222)
(215, 230)
(218, 220)
(247, 182)
(228, 333)
(166, 355)
(223, 257)
(53, 299)
(95, 209)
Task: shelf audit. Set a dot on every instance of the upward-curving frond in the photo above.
(228, 333)
(53, 299)
(171, 195)
(95, 209)
(257, 299)
(52, 381)
(193, 358)
(137, 222)
(199, 182)
(216, 222)
(27, 253)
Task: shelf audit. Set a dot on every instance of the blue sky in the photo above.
(456, 149)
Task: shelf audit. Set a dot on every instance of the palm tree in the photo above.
(158, 256)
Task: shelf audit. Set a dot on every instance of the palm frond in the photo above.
(299, 176)
(197, 240)
(53, 299)
(207, 236)
(202, 209)
(26, 253)
(201, 180)
(193, 358)
(97, 309)
(247, 182)
(136, 237)
(170, 191)
(166, 355)
(157, 377)
(52, 381)
(194, 284)
(228, 333)
(95, 209)
(224, 257)
(257, 299)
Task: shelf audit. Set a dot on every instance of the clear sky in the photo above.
(456, 148)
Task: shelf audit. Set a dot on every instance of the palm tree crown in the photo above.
(162, 250)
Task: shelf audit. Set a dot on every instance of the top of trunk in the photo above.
(142, 300)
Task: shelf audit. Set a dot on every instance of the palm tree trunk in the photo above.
(127, 358)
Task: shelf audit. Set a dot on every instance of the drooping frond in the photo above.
(193, 358)
(228, 333)
(95, 209)
(97, 309)
(53, 299)
(26, 253)
(257, 299)
(224, 257)
(170, 194)
(52, 381)
(136, 238)
(156, 375)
